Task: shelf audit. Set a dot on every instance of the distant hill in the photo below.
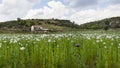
(25, 25)
(54, 25)
(107, 23)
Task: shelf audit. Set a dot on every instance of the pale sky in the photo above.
(80, 11)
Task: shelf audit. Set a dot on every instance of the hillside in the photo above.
(25, 25)
(107, 23)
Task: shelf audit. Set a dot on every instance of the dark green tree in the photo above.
(107, 24)
(18, 19)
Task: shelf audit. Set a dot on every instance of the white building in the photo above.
(38, 28)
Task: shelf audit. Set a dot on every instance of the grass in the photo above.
(95, 50)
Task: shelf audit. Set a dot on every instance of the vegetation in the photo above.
(56, 25)
(77, 49)
(105, 24)
(24, 25)
(70, 50)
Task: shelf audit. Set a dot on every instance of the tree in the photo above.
(18, 19)
(107, 24)
(106, 27)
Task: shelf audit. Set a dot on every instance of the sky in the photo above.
(79, 11)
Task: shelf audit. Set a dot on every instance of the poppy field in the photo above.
(63, 50)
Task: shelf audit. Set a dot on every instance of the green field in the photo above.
(90, 49)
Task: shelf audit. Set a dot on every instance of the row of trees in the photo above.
(66, 23)
(28, 23)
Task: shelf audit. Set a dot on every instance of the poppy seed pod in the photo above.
(77, 45)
